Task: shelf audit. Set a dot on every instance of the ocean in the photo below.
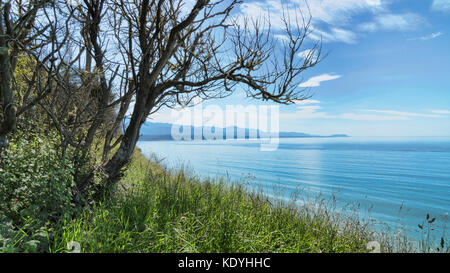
(393, 181)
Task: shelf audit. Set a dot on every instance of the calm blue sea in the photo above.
(380, 175)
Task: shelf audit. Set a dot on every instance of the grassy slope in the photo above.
(158, 210)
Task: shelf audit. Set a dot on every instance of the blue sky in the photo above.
(387, 72)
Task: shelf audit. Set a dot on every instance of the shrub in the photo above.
(35, 181)
(29, 238)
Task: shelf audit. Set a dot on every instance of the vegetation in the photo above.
(80, 66)
(67, 175)
(35, 181)
(35, 192)
(157, 210)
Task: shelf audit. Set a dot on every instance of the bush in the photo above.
(35, 183)
(29, 238)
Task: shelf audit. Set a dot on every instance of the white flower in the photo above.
(374, 247)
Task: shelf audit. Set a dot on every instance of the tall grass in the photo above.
(158, 210)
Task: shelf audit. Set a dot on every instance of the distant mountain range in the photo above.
(163, 131)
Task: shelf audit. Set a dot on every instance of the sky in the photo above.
(387, 72)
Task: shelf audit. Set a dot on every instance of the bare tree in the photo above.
(157, 53)
(172, 58)
(28, 30)
(11, 32)
(162, 54)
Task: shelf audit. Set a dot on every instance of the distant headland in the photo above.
(151, 131)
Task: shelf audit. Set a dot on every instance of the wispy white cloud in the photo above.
(369, 117)
(306, 53)
(429, 37)
(441, 5)
(334, 35)
(313, 112)
(441, 112)
(432, 36)
(339, 12)
(404, 114)
(336, 15)
(282, 38)
(322, 11)
(394, 22)
(332, 21)
(305, 102)
(307, 111)
(317, 80)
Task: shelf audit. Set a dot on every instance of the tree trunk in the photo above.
(7, 107)
(114, 166)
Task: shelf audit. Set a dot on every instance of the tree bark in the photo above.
(123, 155)
(7, 107)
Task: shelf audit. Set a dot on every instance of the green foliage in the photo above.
(28, 239)
(25, 67)
(35, 180)
(157, 210)
(7, 235)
